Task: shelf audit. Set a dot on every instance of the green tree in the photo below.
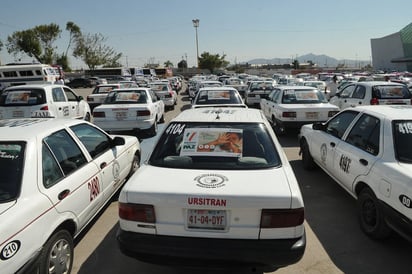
(168, 64)
(182, 64)
(92, 50)
(36, 42)
(212, 61)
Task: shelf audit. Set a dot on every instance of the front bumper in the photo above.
(188, 251)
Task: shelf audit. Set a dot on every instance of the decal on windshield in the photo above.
(174, 129)
(406, 201)
(405, 127)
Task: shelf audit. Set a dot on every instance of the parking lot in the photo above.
(335, 243)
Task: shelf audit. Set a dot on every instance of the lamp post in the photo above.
(196, 25)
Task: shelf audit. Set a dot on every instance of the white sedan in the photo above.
(56, 176)
(130, 109)
(294, 106)
(218, 96)
(367, 150)
(207, 195)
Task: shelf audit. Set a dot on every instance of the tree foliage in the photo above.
(92, 50)
(168, 64)
(212, 61)
(182, 64)
(36, 42)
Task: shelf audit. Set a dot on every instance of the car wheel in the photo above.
(307, 159)
(162, 119)
(371, 217)
(135, 165)
(87, 117)
(57, 254)
(153, 129)
(279, 129)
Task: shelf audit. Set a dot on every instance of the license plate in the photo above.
(18, 113)
(120, 115)
(312, 115)
(206, 219)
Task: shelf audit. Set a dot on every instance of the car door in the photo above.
(157, 104)
(342, 100)
(324, 141)
(60, 104)
(72, 184)
(113, 165)
(357, 97)
(74, 103)
(357, 154)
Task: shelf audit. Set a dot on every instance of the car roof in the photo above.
(381, 83)
(30, 128)
(296, 87)
(220, 115)
(391, 112)
(218, 88)
(34, 86)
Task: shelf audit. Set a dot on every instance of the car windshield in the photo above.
(310, 96)
(11, 169)
(207, 97)
(23, 97)
(126, 97)
(402, 132)
(215, 146)
(261, 86)
(391, 92)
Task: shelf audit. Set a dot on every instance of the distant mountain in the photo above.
(320, 60)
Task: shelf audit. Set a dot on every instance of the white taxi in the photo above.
(217, 189)
(128, 109)
(219, 97)
(294, 106)
(43, 100)
(367, 150)
(56, 175)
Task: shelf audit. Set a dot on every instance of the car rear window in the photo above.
(310, 96)
(126, 97)
(391, 92)
(207, 97)
(11, 169)
(215, 146)
(402, 132)
(23, 97)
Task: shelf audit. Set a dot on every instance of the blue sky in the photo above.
(162, 30)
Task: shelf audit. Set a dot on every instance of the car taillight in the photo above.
(291, 114)
(137, 212)
(46, 107)
(143, 112)
(276, 218)
(332, 113)
(90, 99)
(374, 101)
(99, 114)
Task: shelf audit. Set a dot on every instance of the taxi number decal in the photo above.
(406, 201)
(344, 163)
(94, 188)
(66, 111)
(175, 129)
(10, 250)
(405, 128)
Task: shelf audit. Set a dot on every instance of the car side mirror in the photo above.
(319, 126)
(118, 141)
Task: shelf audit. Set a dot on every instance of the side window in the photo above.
(95, 141)
(359, 92)
(51, 169)
(66, 151)
(70, 95)
(347, 91)
(365, 134)
(338, 125)
(154, 97)
(58, 95)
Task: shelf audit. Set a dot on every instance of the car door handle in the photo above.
(363, 162)
(63, 194)
(103, 165)
(332, 144)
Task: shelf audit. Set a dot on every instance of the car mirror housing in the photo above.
(118, 141)
(319, 126)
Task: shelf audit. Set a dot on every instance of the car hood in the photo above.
(264, 188)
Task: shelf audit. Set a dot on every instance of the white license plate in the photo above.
(206, 219)
(312, 115)
(121, 115)
(18, 113)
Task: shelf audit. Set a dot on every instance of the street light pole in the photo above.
(196, 25)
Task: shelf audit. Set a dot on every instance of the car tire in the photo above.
(57, 253)
(307, 159)
(153, 129)
(135, 165)
(279, 129)
(162, 119)
(371, 217)
(87, 117)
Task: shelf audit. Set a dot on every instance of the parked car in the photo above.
(256, 91)
(165, 92)
(219, 97)
(194, 89)
(236, 83)
(129, 109)
(80, 83)
(99, 93)
(43, 100)
(57, 175)
(367, 151)
(372, 93)
(294, 106)
(207, 195)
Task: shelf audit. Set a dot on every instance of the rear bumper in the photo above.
(188, 251)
